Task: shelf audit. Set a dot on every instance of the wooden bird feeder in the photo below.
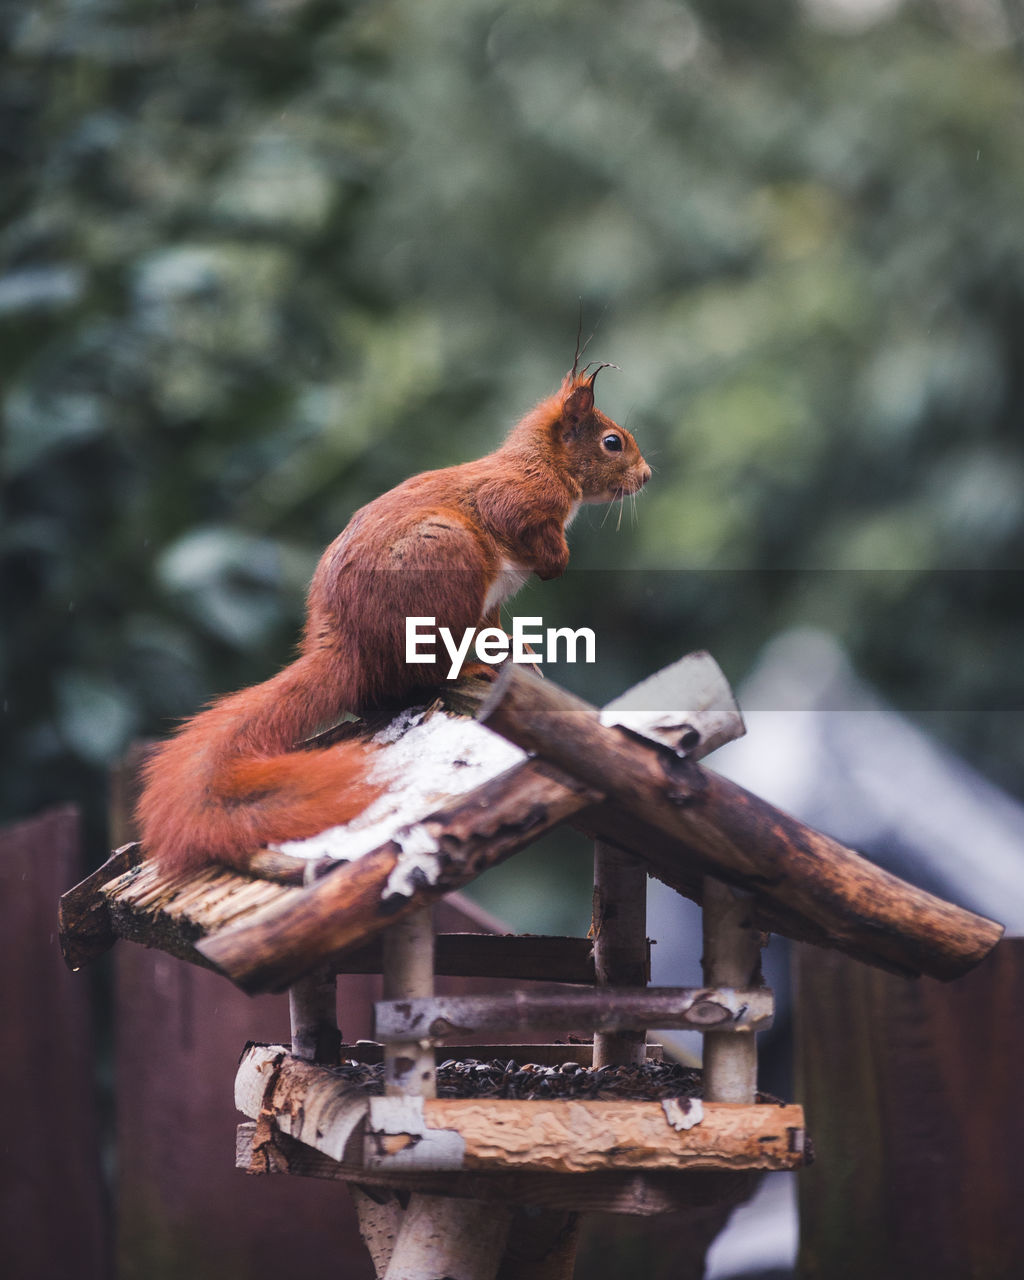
(439, 1180)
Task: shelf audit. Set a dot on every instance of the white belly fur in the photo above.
(510, 578)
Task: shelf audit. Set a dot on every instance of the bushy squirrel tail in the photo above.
(248, 803)
(226, 783)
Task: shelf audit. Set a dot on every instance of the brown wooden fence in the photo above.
(53, 1220)
(914, 1097)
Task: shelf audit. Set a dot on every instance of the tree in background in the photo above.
(260, 262)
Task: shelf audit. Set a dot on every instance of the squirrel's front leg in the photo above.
(546, 548)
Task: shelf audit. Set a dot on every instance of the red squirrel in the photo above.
(452, 544)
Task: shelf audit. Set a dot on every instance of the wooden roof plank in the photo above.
(356, 900)
(736, 836)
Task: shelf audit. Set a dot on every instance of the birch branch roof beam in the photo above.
(742, 839)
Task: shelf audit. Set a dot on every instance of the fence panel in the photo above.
(52, 1204)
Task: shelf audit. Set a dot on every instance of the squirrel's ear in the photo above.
(575, 407)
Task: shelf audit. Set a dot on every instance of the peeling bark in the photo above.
(607, 1009)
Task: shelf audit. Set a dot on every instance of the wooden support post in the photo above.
(463, 1239)
(409, 975)
(380, 1220)
(437, 1235)
(732, 958)
(313, 1010)
(456, 1239)
(445, 1236)
(620, 944)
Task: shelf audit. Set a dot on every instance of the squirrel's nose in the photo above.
(645, 475)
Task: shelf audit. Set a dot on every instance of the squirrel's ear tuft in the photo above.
(575, 407)
(606, 364)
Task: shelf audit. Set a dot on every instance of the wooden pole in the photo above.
(409, 1066)
(380, 1220)
(445, 1236)
(732, 958)
(603, 1009)
(438, 1235)
(442, 1236)
(620, 945)
(313, 1011)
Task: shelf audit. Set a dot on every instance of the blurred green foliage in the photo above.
(260, 261)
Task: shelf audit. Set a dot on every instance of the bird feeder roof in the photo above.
(461, 797)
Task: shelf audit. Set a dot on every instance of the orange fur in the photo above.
(227, 784)
(231, 780)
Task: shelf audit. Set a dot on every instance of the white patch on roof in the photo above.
(425, 760)
(418, 853)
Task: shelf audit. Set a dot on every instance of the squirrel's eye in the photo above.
(613, 444)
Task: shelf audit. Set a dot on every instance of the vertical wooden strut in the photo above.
(732, 958)
(445, 1237)
(620, 944)
(313, 1011)
(435, 1235)
(408, 975)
